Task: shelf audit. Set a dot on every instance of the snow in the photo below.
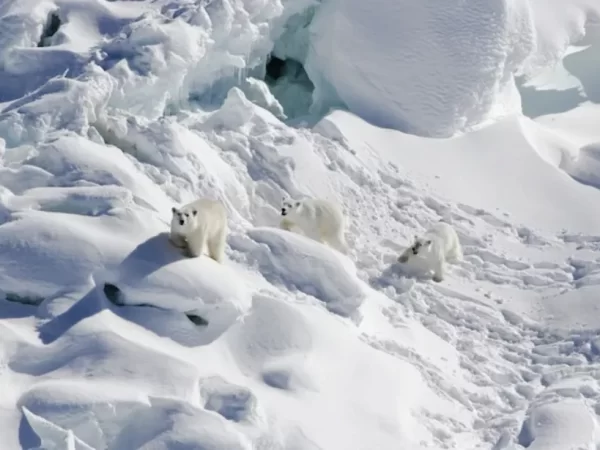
(486, 160)
(317, 271)
(460, 59)
(554, 426)
(483, 115)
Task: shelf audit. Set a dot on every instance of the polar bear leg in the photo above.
(177, 240)
(338, 242)
(195, 244)
(438, 270)
(216, 246)
(330, 236)
(456, 253)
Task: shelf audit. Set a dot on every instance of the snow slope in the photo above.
(114, 111)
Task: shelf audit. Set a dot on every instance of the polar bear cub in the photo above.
(199, 223)
(316, 216)
(439, 244)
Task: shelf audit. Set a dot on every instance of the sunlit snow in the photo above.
(481, 114)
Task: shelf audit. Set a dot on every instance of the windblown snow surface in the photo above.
(112, 112)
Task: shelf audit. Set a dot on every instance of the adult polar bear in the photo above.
(316, 216)
(439, 244)
(200, 223)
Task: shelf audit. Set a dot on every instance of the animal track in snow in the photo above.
(234, 403)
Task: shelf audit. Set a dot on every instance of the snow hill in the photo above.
(482, 114)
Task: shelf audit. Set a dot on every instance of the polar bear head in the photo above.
(290, 206)
(183, 220)
(419, 244)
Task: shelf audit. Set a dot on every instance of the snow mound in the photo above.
(233, 402)
(566, 424)
(433, 69)
(450, 67)
(300, 263)
(155, 273)
(74, 405)
(188, 159)
(287, 345)
(59, 250)
(257, 346)
(586, 168)
(51, 436)
(580, 162)
(74, 160)
(169, 423)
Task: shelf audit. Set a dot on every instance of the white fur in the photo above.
(318, 217)
(440, 244)
(204, 223)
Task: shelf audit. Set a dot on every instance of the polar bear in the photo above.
(203, 221)
(439, 244)
(319, 217)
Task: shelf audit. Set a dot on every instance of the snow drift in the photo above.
(436, 68)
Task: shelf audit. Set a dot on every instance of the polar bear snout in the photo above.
(181, 219)
(419, 245)
(289, 207)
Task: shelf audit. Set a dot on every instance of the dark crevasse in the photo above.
(290, 84)
(50, 29)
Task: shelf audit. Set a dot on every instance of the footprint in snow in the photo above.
(233, 402)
